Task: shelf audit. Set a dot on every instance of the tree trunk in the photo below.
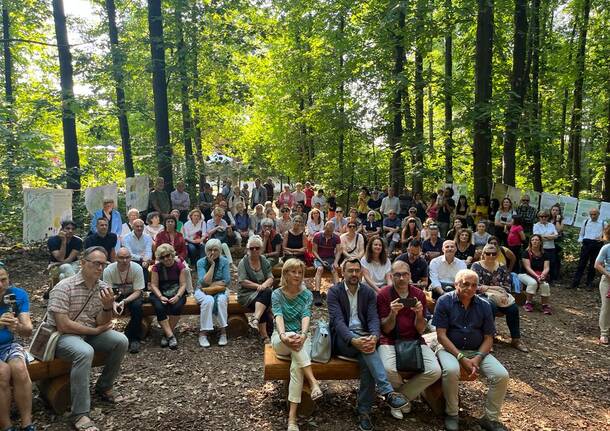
(535, 131)
(517, 93)
(342, 108)
(196, 95)
(606, 184)
(482, 99)
(419, 120)
(11, 158)
(448, 93)
(117, 72)
(430, 111)
(564, 105)
(157, 52)
(187, 124)
(416, 185)
(576, 121)
(396, 172)
(68, 117)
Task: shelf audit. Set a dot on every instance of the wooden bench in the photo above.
(238, 323)
(339, 369)
(53, 379)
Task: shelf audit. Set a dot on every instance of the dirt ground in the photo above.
(562, 384)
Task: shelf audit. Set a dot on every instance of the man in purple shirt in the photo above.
(465, 328)
(326, 248)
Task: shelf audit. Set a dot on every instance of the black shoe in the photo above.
(317, 298)
(364, 422)
(395, 400)
(489, 425)
(589, 286)
(134, 347)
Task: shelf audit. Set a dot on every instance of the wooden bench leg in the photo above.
(238, 325)
(433, 395)
(145, 326)
(56, 392)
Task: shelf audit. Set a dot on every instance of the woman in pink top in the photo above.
(516, 238)
(285, 199)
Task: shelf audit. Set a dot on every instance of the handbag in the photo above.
(320, 343)
(44, 341)
(499, 296)
(409, 357)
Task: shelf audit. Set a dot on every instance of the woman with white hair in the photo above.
(127, 227)
(255, 286)
(213, 279)
(217, 227)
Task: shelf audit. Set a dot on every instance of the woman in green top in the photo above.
(291, 306)
(255, 285)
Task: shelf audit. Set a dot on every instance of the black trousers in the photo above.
(588, 253)
(134, 326)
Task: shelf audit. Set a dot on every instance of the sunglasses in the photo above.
(491, 253)
(543, 216)
(254, 248)
(165, 256)
(351, 225)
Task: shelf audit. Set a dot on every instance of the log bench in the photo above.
(339, 369)
(53, 379)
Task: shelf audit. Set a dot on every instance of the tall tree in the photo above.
(448, 92)
(564, 104)
(535, 121)
(482, 98)
(68, 117)
(159, 86)
(576, 120)
(517, 92)
(397, 178)
(118, 62)
(430, 110)
(606, 183)
(11, 159)
(187, 122)
(195, 19)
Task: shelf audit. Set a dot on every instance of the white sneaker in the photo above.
(396, 413)
(222, 340)
(203, 341)
(406, 409)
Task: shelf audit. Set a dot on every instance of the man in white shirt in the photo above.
(140, 246)
(390, 202)
(181, 201)
(127, 280)
(591, 237)
(443, 270)
(319, 198)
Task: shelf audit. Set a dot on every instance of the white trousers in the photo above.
(206, 308)
(532, 285)
(300, 360)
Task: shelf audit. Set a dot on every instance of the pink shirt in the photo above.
(514, 239)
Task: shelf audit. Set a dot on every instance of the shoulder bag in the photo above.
(409, 357)
(320, 343)
(46, 336)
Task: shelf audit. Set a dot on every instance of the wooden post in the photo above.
(238, 325)
(56, 392)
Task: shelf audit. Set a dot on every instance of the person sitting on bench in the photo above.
(64, 248)
(327, 251)
(80, 307)
(354, 325)
(127, 280)
(465, 328)
(103, 238)
(14, 319)
(404, 315)
(291, 306)
(213, 280)
(443, 270)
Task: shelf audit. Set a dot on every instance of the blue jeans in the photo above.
(512, 317)
(372, 373)
(194, 252)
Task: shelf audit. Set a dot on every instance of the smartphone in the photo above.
(116, 290)
(408, 302)
(9, 299)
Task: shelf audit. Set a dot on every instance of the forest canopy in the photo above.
(344, 93)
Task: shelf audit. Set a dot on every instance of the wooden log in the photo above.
(433, 395)
(56, 393)
(335, 369)
(238, 325)
(40, 370)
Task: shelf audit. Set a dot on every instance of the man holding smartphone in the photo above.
(354, 323)
(403, 313)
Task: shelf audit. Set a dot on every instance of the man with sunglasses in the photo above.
(355, 330)
(64, 248)
(81, 307)
(527, 214)
(465, 328)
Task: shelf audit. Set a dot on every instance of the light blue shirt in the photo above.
(604, 256)
(221, 272)
(140, 248)
(116, 227)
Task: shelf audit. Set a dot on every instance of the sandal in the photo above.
(87, 425)
(316, 392)
(109, 397)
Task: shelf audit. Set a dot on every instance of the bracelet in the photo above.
(460, 356)
(481, 354)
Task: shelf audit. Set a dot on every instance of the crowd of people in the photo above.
(389, 257)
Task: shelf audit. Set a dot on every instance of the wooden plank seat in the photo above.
(238, 323)
(53, 379)
(339, 369)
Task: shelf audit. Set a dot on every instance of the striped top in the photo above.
(69, 296)
(291, 309)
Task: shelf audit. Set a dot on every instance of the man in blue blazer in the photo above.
(355, 330)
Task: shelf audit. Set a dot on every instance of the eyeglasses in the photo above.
(351, 225)
(401, 274)
(254, 248)
(165, 256)
(491, 253)
(543, 216)
(98, 264)
(285, 210)
(338, 211)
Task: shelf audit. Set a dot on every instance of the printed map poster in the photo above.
(568, 208)
(514, 194)
(136, 192)
(547, 200)
(94, 197)
(604, 212)
(584, 206)
(43, 212)
(534, 198)
(500, 191)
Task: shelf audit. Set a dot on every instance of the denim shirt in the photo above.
(221, 272)
(466, 327)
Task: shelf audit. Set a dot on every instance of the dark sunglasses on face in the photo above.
(351, 225)
(491, 253)
(254, 248)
